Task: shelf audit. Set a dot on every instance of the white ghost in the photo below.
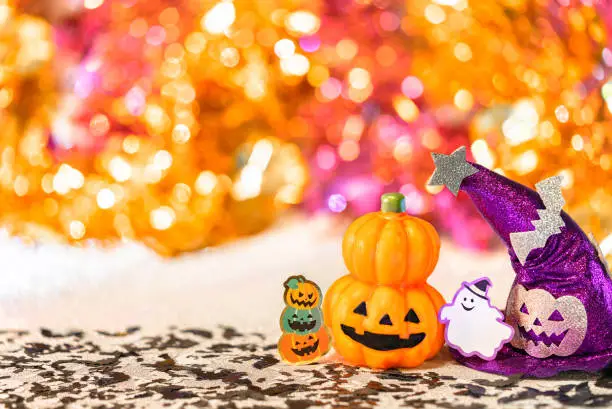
(473, 325)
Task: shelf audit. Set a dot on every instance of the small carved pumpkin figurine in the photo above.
(301, 321)
(383, 314)
(302, 349)
(304, 337)
(301, 293)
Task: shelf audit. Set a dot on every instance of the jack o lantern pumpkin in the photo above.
(383, 314)
(300, 321)
(545, 325)
(301, 293)
(301, 349)
(384, 326)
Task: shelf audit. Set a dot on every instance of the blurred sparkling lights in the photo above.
(337, 203)
(174, 124)
(219, 18)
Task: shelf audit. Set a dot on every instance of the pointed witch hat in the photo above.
(560, 304)
(479, 288)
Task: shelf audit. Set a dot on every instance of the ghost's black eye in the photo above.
(471, 300)
(464, 298)
(524, 309)
(361, 309)
(385, 320)
(412, 317)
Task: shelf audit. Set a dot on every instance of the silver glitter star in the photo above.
(451, 170)
(550, 221)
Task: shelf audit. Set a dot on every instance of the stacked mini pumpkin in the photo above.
(304, 338)
(384, 314)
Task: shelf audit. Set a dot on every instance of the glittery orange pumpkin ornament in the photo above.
(383, 314)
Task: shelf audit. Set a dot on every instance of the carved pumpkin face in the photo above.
(381, 326)
(300, 321)
(545, 325)
(296, 348)
(301, 293)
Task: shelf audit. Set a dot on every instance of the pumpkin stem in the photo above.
(392, 202)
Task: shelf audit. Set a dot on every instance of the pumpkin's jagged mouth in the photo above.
(308, 350)
(302, 303)
(301, 326)
(382, 342)
(543, 337)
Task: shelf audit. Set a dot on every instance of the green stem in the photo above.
(392, 202)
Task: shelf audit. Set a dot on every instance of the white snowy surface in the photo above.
(238, 284)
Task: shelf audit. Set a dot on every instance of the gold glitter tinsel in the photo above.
(530, 79)
(174, 132)
(181, 124)
(26, 101)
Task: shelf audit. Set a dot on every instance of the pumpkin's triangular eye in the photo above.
(412, 317)
(524, 309)
(361, 309)
(385, 320)
(555, 316)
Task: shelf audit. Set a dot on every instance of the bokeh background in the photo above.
(187, 123)
(165, 165)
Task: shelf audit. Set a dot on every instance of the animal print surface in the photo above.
(224, 368)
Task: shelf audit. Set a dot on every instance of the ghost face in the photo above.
(467, 301)
(545, 325)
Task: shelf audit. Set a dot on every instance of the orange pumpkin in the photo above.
(390, 247)
(382, 326)
(301, 293)
(384, 314)
(301, 349)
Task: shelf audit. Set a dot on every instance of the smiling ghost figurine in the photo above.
(470, 316)
(560, 304)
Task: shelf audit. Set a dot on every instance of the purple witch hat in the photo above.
(560, 304)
